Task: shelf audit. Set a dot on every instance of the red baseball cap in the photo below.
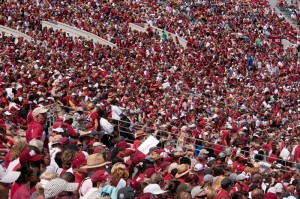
(29, 155)
(123, 144)
(135, 184)
(100, 175)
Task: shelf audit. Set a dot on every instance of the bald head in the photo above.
(257, 194)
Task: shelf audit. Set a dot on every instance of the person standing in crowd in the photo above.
(36, 129)
(93, 117)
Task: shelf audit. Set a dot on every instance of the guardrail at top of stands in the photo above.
(175, 37)
(14, 32)
(76, 32)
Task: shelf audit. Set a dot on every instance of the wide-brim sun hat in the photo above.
(94, 161)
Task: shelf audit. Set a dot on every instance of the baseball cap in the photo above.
(29, 155)
(196, 190)
(233, 176)
(58, 129)
(203, 151)
(39, 110)
(58, 185)
(210, 159)
(154, 189)
(225, 183)
(100, 175)
(126, 193)
(198, 167)
(208, 178)
(222, 155)
(123, 144)
(241, 177)
(207, 171)
(8, 176)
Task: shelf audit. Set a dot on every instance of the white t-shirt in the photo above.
(116, 112)
(285, 154)
(106, 125)
(85, 187)
(90, 194)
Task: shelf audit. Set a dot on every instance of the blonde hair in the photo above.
(91, 105)
(44, 176)
(19, 145)
(210, 192)
(120, 173)
(216, 185)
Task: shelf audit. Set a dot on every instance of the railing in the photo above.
(76, 32)
(88, 35)
(175, 38)
(209, 145)
(137, 27)
(15, 33)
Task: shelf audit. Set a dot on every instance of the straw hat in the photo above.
(84, 133)
(182, 169)
(94, 161)
(55, 139)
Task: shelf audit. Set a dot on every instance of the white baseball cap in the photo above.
(154, 189)
(241, 177)
(198, 167)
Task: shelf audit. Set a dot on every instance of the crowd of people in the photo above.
(290, 8)
(75, 114)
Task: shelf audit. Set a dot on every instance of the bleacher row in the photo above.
(76, 32)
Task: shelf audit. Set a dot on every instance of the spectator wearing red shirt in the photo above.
(297, 155)
(226, 138)
(199, 171)
(94, 117)
(240, 183)
(226, 187)
(35, 128)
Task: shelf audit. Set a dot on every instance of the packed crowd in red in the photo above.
(224, 110)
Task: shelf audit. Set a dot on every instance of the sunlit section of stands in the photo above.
(15, 33)
(76, 32)
(286, 43)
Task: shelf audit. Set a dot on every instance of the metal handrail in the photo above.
(193, 138)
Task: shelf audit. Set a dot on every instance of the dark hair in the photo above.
(185, 160)
(239, 195)
(67, 176)
(27, 174)
(173, 172)
(58, 159)
(217, 171)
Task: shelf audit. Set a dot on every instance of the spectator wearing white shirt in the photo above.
(115, 110)
(105, 124)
